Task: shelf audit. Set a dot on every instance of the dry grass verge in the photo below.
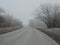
(9, 29)
(54, 33)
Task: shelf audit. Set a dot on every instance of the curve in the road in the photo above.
(26, 36)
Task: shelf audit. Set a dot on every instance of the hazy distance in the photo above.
(23, 9)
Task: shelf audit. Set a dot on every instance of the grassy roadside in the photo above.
(54, 33)
(9, 29)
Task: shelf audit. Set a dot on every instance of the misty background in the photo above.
(42, 15)
(23, 9)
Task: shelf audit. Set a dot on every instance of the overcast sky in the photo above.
(23, 9)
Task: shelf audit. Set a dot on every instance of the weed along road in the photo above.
(26, 36)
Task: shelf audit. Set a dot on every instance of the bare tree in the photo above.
(6, 20)
(48, 14)
(37, 24)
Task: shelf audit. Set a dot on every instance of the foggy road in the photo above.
(26, 36)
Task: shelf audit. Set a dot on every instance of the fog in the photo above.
(23, 9)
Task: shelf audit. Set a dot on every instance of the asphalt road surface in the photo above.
(26, 36)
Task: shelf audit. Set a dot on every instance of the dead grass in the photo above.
(9, 29)
(54, 33)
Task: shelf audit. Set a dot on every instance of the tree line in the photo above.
(49, 14)
(7, 20)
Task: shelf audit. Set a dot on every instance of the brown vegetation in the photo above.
(54, 33)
